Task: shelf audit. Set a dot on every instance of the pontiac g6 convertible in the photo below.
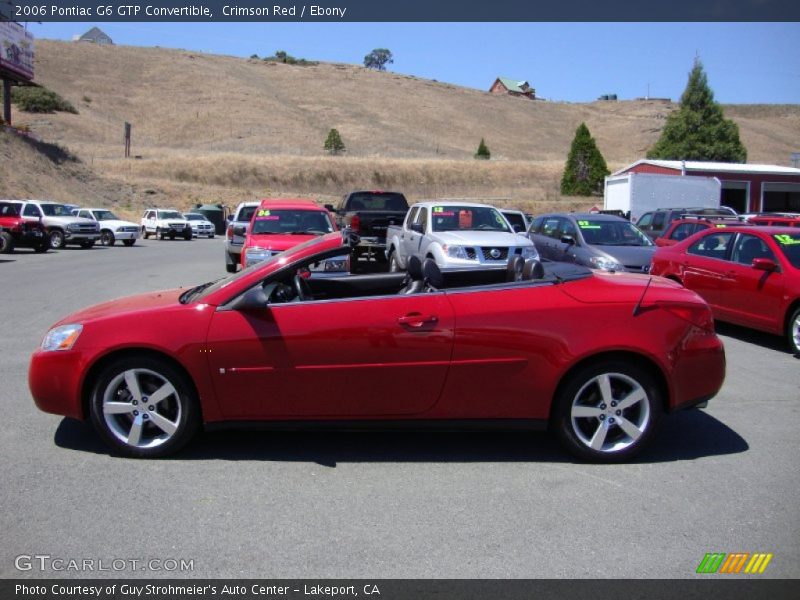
(596, 358)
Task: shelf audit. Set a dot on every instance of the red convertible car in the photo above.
(749, 275)
(596, 357)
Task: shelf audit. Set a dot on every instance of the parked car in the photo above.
(597, 358)
(165, 223)
(455, 235)
(368, 214)
(594, 240)
(112, 228)
(776, 220)
(685, 227)
(16, 232)
(749, 275)
(279, 224)
(655, 223)
(233, 242)
(517, 219)
(62, 228)
(200, 225)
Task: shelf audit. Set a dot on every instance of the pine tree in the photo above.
(333, 143)
(483, 151)
(586, 168)
(698, 130)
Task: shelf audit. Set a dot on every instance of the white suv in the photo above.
(112, 228)
(163, 223)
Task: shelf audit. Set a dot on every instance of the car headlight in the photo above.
(338, 264)
(605, 263)
(456, 252)
(72, 226)
(61, 338)
(530, 252)
(255, 254)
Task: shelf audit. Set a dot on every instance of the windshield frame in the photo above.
(165, 214)
(588, 223)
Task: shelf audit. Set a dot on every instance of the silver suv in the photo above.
(233, 243)
(62, 227)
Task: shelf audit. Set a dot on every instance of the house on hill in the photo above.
(96, 36)
(512, 87)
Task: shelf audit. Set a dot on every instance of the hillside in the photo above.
(226, 127)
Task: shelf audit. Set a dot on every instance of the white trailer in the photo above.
(638, 193)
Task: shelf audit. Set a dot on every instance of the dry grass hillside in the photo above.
(213, 127)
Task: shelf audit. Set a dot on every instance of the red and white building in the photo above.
(746, 188)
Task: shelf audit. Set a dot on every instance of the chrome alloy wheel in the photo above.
(795, 333)
(610, 412)
(141, 408)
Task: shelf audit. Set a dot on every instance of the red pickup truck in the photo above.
(16, 232)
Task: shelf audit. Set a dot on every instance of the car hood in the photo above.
(116, 223)
(483, 238)
(634, 256)
(278, 241)
(605, 287)
(127, 305)
(68, 220)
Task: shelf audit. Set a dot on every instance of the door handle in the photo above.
(417, 320)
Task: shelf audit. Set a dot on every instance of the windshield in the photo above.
(467, 218)
(194, 217)
(55, 210)
(377, 201)
(517, 220)
(169, 214)
(289, 221)
(105, 215)
(9, 210)
(246, 213)
(612, 233)
(789, 243)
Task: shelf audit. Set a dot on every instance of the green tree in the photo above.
(378, 59)
(483, 151)
(40, 100)
(698, 130)
(586, 168)
(333, 143)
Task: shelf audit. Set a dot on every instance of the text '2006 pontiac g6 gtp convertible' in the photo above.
(597, 358)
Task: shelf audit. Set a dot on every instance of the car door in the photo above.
(565, 252)
(150, 221)
(545, 238)
(31, 212)
(705, 264)
(408, 243)
(350, 358)
(751, 296)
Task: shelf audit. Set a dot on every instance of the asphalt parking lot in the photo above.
(391, 505)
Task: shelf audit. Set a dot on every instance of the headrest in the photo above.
(533, 269)
(415, 268)
(431, 274)
(514, 267)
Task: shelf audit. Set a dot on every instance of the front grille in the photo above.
(87, 228)
(471, 253)
(175, 225)
(499, 253)
(128, 229)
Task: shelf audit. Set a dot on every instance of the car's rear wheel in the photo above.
(230, 263)
(56, 239)
(187, 236)
(145, 235)
(793, 332)
(129, 242)
(6, 243)
(608, 411)
(107, 238)
(144, 407)
(394, 266)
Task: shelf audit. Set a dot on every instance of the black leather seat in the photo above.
(514, 267)
(432, 276)
(413, 283)
(533, 269)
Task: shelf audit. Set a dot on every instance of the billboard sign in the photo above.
(16, 49)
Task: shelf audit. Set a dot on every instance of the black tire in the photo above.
(793, 332)
(160, 234)
(6, 243)
(394, 265)
(145, 235)
(107, 238)
(230, 263)
(211, 237)
(602, 420)
(86, 244)
(187, 236)
(171, 235)
(57, 239)
(129, 243)
(179, 408)
(42, 248)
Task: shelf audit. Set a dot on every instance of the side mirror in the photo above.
(765, 264)
(330, 208)
(416, 227)
(240, 230)
(568, 239)
(252, 299)
(230, 218)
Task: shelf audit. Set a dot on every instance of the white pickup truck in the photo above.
(457, 235)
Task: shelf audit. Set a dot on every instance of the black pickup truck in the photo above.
(368, 214)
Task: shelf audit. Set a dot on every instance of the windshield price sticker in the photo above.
(438, 211)
(264, 215)
(720, 225)
(788, 239)
(587, 225)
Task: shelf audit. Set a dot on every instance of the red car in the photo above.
(685, 227)
(596, 357)
(280, 224)
(16, 232)
(784, 220)
(749, 275)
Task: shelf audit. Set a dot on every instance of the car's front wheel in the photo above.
(144, 407)
(6, 243)
(608, 411)
(129, 242)
(57, 239)
(394, 265)
(145, 235)
(793, 332)
(107, 238)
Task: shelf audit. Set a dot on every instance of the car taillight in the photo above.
(229, 232)
(355, 224)
(698, 315)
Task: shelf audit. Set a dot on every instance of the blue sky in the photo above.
(577, 62)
